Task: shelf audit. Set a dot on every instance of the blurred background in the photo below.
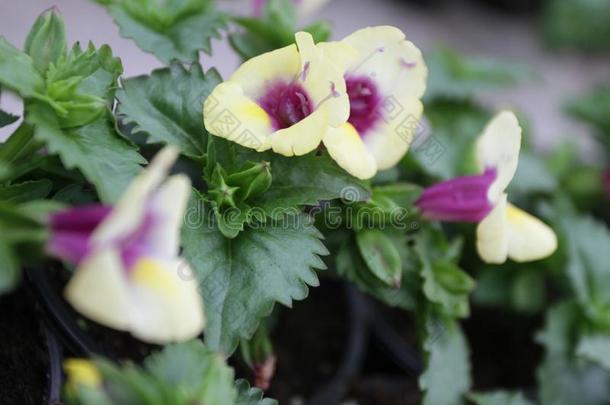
(560, 46)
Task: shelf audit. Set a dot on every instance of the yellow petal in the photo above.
(230, 114)
(492, 234)
(529, 238)
(99, 289)
(341, 54)
(498, 147)
(347, 149)
(129, 212)
(322, 80)
(395, 64)
(166, 305)
(302, 137)
(81, 372)
(255, 75)
(390, 140)
(168, 206)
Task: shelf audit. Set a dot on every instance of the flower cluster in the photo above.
(340, 93)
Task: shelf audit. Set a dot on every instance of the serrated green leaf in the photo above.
(173, 29)
(104, 158)
(26, 191)
(447, 376)
(17, 71)
(7, 118)
(241, 279)
(180, 374)
(168, 105)
(9, 266)
(307, 180)
(251, 396)
(564, 379)
(499, 398)
(380, 255)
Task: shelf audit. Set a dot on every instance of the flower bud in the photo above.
(46, 42)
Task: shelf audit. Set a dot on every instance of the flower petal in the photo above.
(323, 80)
(389, 141)
(492, 234)
(529, 238)
(396, 65)
(499, 147)
(347, 149)
(99, 289)
(166, 306)
(229, 114)
(130, 211)
(302, 137)
(168, 206)
(256, 74)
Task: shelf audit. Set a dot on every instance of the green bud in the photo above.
(253, 180)
(83, 110)
(46, 42)
(220, 192)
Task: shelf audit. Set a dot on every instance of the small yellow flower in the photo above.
(385, 77)
(283, 100)
(81, 373)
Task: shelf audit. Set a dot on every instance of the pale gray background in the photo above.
(468, 28)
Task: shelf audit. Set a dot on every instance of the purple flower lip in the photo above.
(365, 103)
(462, 199)
(286, 103)
(72, 229)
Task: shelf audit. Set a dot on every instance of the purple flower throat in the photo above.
(365, 103)
(286, 104)
(462, 199)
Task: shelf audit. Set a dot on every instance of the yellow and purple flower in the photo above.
(385, 77)
(503, 231)
(129, 275)
(283, 100)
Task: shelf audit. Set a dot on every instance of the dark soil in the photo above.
(23, 352)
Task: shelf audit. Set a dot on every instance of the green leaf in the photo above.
(593, 108)
(455, 127)
(455, 76)
(307, 180)
(180, 374)
(595, 347)
(9, 266)
(444, 282)
(380, 255)
(26, 191)
(17, 71)
(251, 396)
(351, 266)
(564, 379)
(499, 398)
(104, 158)
(587, 258)
(168, 106)
(46, 41)
(447, 376)
(532, 175)
(242, 278)
(174, 29)
(7, 118)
